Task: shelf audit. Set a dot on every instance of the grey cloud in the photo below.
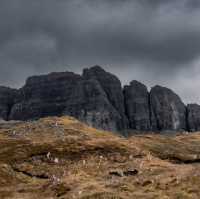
(155, 41)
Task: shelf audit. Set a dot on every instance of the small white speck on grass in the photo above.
(84, 162)
(48, 155)
(130, 157)
(141, 165)
(55, 180)
(56, 160)
(149, 157)
(80, 192)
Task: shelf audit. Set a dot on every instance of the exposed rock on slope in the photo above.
(97, 98)
(193, 117)
(44, 95)
(89, 103)
(112, 87)
(167, 110)
(66, 93)
(7, 96)
(137, 106)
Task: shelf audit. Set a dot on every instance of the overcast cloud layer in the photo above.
(153, 41)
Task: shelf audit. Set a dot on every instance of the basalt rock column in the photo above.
(193, 117)
(137, 106)
(168, 112)
(112, 88)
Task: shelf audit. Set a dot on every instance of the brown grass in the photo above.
(63, 158)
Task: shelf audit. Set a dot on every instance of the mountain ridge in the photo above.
(98, 98)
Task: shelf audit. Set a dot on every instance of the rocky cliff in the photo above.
(44, 95)
(97, 98)
(137, 106)
(91, 98)
(113, 90)
(167, 110)
(89, 103)
(193, 115)
(7, 96)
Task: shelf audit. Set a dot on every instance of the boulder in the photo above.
(193, 117)
(168, 112)
(137, 106)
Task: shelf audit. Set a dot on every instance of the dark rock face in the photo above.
(89, 103)
(97, 98)
(112, 88)
(193, 117)
(137, 106)
(44, 95)
(167, 110)
(66, 93)
(7, 96)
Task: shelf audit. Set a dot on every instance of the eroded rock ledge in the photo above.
(97, 98)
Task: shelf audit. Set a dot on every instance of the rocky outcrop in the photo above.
(44, 95)
(193, 117)
(97, 98)
(112, 88)
(7, 96)
(137, 106)
(66, 93)
(167, 110)
(89, 103)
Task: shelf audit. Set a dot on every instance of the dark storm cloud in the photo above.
(156, 41)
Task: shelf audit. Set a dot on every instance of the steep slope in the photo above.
(137, 106)
(66, 93)
(193, 117)
(167, 110)
(44, 95)
(7, 96)
(63, 158)
(113, 89)
(89, 103)
(96, 97)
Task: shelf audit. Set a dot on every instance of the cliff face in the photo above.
(97, 98)
(113, 90)
(167, 110)
(44, 95)
(193, 115)
(86, 98)
(137, 106)
(89, 103)
(7, 96)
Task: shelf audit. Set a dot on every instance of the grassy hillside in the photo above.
(63, 158)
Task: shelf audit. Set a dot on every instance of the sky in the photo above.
(152, 41)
